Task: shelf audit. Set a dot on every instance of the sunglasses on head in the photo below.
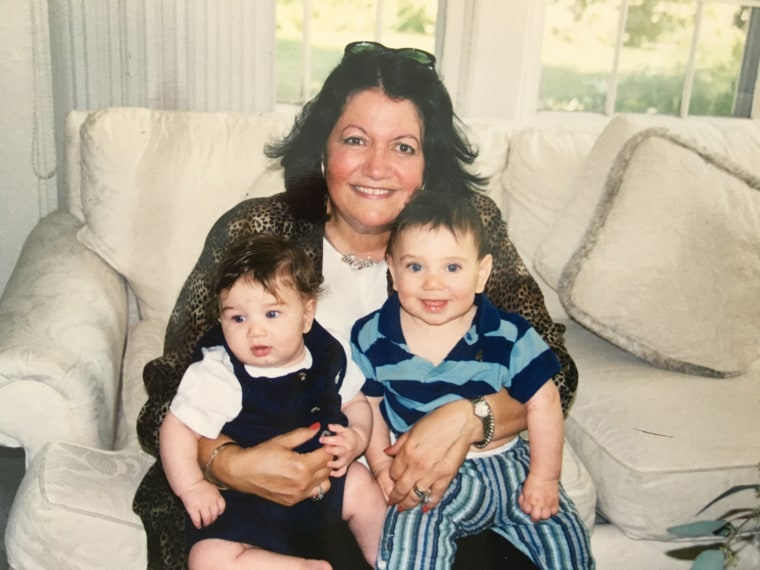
(418, 55)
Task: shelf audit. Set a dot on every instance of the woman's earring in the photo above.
(322, 167)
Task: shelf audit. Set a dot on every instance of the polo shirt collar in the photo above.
(486, 319)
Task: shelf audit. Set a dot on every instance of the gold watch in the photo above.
(482, 410)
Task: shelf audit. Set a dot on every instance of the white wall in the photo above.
(27, 159)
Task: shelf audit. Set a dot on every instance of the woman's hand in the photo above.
(383, 479)
(430, 454)
(272, 469)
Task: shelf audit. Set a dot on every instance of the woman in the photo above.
(382, 127)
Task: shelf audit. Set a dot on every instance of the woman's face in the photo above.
(374, 160)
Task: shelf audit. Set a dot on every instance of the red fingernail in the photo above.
(426, 508)
(400, 509)
(314, 426)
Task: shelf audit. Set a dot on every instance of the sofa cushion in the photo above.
(669, 267)
(492, 140)
(658, 444)
(144, 343)
(153, 183)
(75, 495)
(738, 139)
(71, 162)
(533, 195)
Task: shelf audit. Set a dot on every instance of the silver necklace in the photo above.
(357, 263)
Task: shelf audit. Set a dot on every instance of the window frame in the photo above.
(489, 55)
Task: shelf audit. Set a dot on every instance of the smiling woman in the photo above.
(382, 126)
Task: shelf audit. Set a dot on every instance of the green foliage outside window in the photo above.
(336, 23)
(579, 47)
(578, 50)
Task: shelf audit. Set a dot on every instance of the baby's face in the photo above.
(437, 273)
(262, 329)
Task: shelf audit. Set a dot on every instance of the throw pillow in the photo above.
(736, 138)
(669, 266)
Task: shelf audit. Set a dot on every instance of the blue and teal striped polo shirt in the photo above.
(499, 349)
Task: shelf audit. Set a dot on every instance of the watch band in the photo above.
(483, 410)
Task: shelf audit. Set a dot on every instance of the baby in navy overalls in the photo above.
(266, 369)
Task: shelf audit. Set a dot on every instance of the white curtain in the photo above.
(197, 55)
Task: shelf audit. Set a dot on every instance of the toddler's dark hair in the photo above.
(435, 209)
(269, 260)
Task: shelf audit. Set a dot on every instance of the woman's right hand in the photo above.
(271, 470)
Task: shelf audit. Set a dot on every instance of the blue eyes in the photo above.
(417, 267)
(272, 314)
(238, 319)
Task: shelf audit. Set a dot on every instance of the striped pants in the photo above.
(483, 496)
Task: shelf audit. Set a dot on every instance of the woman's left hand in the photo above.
(428, 456)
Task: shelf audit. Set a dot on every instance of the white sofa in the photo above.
(648, 237)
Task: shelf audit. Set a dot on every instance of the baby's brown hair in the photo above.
(267, 259)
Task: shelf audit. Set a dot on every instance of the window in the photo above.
(311, 36)
(680, 57)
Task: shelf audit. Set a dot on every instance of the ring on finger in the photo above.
(320, 494)
(423, 496)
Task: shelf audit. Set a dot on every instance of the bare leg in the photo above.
(364, 509)
(215, 554)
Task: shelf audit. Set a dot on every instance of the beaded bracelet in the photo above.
(207, 473)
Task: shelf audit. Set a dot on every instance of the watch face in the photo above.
(481, 409)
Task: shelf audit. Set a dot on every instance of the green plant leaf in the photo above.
(709, 560)
(698, 528)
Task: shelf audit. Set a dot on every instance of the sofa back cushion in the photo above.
(657, 247)
(738, 139)
(669, 268)
(72, 162)
(544, 160)
(153, 183)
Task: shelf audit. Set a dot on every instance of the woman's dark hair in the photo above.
(268, 260)
(455, 213)
(446, 148)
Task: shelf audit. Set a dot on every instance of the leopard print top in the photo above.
(510, 287)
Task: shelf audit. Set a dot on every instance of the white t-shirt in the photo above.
(348, 293)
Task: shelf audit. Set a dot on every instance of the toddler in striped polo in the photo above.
(438, 339)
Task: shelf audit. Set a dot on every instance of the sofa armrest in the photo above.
(63, 323)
